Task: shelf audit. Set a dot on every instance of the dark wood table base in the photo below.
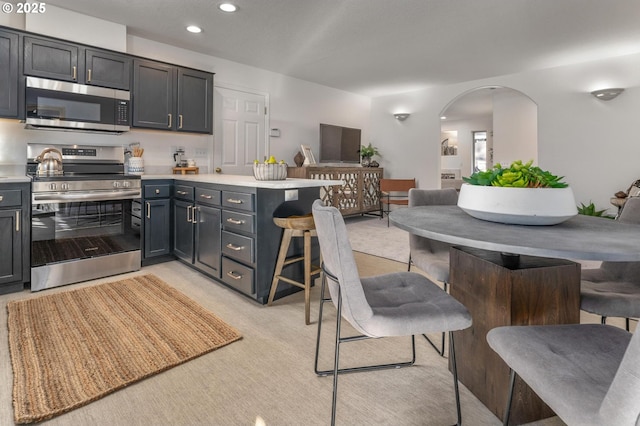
(534, 290)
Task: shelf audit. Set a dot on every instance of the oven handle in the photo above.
(91, 196)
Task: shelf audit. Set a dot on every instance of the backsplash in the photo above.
(158, 146)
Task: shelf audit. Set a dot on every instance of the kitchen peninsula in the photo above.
(222, 225)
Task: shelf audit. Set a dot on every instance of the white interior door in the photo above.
(240, 130)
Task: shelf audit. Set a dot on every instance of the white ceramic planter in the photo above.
(520, 206)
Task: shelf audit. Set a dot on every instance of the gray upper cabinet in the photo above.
(195, 101)
(51, 59)
(107, 69)
(9, 61)
(166, 97)
(70, 62)
(153, 86)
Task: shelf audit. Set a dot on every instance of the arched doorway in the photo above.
(484, 126)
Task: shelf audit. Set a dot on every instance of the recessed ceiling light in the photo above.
(444, 117)
(228, 7)
(194, 29)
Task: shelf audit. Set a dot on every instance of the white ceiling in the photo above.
(379, 47)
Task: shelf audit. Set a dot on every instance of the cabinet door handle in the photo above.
(234, 275)
(75, 73)
(207, 197)
(189, 214)
(89, 75)
(234, 201)
(235, 221)
(182, 192)
(193, 214)
(235, 248)
(17, 221)
(170, 120)
(148, 210)
(1, 197)
(180, 121)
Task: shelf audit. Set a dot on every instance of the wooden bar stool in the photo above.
(295, 226)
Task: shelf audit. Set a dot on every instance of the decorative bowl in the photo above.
(262, 171)
(518, 206)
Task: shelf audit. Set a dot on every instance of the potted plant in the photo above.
(366, 152)
(520, 194)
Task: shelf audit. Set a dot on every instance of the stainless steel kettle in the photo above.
(49, 165)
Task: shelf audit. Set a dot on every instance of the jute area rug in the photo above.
(70, 348)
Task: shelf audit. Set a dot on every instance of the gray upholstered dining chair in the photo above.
(588, 374)
(429, 255)
(613, 289)
(394, 304)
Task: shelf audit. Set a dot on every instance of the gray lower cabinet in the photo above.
(227, 232)
(156, 221)
(196, 227)
(15, 237)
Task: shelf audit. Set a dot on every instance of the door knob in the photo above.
(218, 170)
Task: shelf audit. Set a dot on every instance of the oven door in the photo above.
(73, 241)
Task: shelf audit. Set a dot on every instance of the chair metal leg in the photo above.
(433, 345)
(603, 320)
(627, 323)
(454, 370)
(507, 410)
(336, 360)
(323, 299)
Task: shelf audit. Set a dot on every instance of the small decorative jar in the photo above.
(136, 166)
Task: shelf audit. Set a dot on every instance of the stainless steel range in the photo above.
(81, 222)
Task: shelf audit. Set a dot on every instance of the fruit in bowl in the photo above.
(271, 169)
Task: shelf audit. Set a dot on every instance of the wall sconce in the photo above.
(607, 94)
(401, 116)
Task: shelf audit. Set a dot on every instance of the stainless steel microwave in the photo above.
(64, 105)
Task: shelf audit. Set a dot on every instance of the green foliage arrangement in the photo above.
(590, 210)
(517, 175)
(368, 151)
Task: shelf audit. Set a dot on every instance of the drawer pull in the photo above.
(234, 275)
(234, 201)
(157, 191)
(236, 221)
(182, 192)
(235, 248)
(1, 197)
(205, 196)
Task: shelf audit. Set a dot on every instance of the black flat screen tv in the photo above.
(339, 144)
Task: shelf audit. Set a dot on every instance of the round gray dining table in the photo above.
(581, 237)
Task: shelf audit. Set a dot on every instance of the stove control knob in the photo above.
(52, 186)
(116, 184)
(126, 184)
(64, 186)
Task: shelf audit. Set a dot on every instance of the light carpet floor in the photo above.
(371, 235)
(267, 377)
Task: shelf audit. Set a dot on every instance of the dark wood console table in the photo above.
(359, 194)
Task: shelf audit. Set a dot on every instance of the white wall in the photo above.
(593, 143)
(296, 108)
(515, 128)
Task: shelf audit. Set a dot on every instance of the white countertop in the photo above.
(14, 179)
(247, 181)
